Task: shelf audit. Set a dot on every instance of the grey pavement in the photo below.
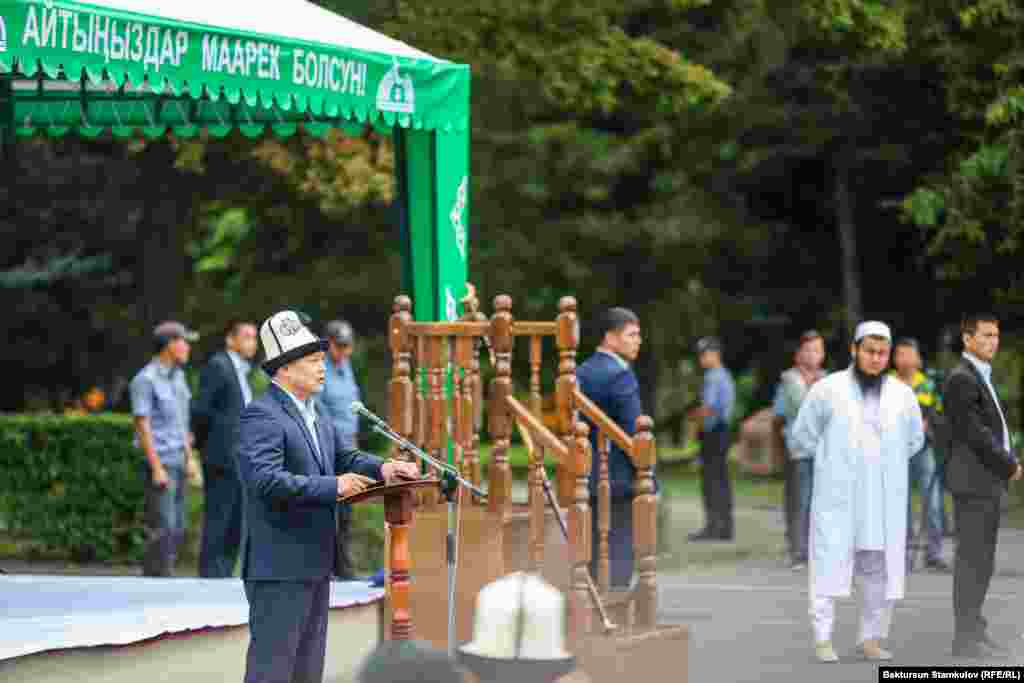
(749, 621)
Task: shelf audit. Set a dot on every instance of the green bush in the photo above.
(71, 485)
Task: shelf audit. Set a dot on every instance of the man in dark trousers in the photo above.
(609, 381)
(294, 470)
(980, 464)
(224, 391)
(717, 399)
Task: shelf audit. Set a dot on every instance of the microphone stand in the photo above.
(451, 477)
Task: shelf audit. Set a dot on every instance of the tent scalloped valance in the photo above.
(310, 82)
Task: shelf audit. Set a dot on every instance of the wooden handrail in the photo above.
(603, 422)
(467, 328)
(543, 434)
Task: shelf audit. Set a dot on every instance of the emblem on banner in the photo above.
(3, 35)
(395, 92)
(450, 307)
(458, 210)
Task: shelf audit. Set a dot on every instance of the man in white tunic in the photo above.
(861, 428)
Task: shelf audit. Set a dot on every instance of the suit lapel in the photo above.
(293, 412)
(326, 445)
(993, 408)
(230, 365)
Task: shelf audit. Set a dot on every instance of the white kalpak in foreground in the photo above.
(861, 428)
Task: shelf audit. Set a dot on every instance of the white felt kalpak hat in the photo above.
(872, 328)
(518, 630)
(285, 339)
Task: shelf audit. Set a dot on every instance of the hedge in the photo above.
(72, 484)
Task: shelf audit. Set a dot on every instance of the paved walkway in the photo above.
(749, 617)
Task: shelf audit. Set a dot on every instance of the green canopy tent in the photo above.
(145, 67)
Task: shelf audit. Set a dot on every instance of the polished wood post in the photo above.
(419, 396)
(436, 441)
(580, 612)
(401, 388)
(499, 416)
(567, 339)
(537, 509)
(399, 501)
(604, 513)
(462, 404)
(645, 523)
(398, 514)
(536, 399)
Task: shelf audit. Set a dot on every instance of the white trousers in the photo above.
(875, 610)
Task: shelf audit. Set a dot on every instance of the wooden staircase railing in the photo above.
(437, 396)
(642, 452)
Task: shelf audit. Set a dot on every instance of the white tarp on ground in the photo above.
(40, 613)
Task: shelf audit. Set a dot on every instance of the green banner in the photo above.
(155, 54)
(451, 156)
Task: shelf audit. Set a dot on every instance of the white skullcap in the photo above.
(872, 328)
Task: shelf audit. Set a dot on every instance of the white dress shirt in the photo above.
(242, 367)
(985, 369)
(307, 410)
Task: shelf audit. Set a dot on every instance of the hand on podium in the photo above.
(352, 483)
(399, 470)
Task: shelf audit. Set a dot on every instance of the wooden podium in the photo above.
(399, 501)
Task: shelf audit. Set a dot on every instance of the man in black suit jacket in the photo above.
(224, 391)
(294, 469)
(979, 465)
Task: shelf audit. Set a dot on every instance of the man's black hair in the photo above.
(614, 319)
(969, 326)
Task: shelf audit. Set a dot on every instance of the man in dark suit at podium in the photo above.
(295, 469)
(980, 463)
(224, 391)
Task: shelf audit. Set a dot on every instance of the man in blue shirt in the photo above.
(160, 405)
(335, 402)
(717, 399)
(609, 381)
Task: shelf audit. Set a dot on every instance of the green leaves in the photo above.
(226, 228)
(73, 485)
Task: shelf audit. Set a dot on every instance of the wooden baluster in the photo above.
(536, 400)
(567, 339)
(462, 403)
(477, 389)
(416, 375)
(604, 513)
(401, 387)
(580, 606)
(420, 378)
(398, 515)
(537, 509)
(500, 417)
(436, 441)
(645, 523)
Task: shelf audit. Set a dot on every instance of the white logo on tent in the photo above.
(456, 216)
(395, 92)
(450, 307)
(3, 35)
